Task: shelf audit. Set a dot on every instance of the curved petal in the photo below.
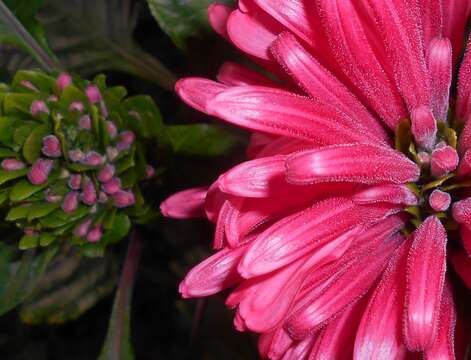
(196, 92)
(235, 75)
(185, 204)
(395, 194)
(218, 14)
(440, 67)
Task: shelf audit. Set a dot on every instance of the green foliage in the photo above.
(201, 139)
(182, 19)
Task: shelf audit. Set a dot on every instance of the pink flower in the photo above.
(122, 199)
(81, 230)
(106, 173)
(75, 181)
(127, 139)
(76, 106)
(95, 234)
(89, 195)
(150, 171)
(38, 106)
(51, 146)
(76, 155)
(112, 186)
(92, 158)
(93, 94)
(70, 202)
(12, 164)
(50, 197)
(40, 170)
(334, 235)
(63, 80)
(111, 129)
(85, 123)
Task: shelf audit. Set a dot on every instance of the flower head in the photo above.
(335, 233)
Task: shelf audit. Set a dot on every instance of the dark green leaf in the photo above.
(23, 190)
(201, 140)
(10, 175)
(33, 144)
(28, 242)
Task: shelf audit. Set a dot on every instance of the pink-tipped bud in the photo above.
(63, 80)
(85, 122)
(76, 155)
(443, 161)
(439, 200)
(95, 234)
(53, 98)
(127, 137)
(70, 203)
(29, 85)
(76, 106)
(51, 146)
(105, 174)
(102, 197)
(112, 153)
(81, 230)
(150, 171)
(50, 197)
(424, 127)
(123, 199)
(111, 129)
(461, 211)
(92, 158)
(75, 181)
(12, 164)
(112, 186)
(40, 170)
(93, 94)
(37, 107)
(89, 195)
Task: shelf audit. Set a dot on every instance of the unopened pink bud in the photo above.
(51, 146)
(439, 200)
(93, 94)
(89, 195)
(40, 171)
(63, 80)
(53, 98)
(123, 199)
(150, 171)
(95, 234)
(70, 202)
(12, 164)
(29, 85)
(111, 129)
(424, 158)
(106, 173)
(82, 229)
(50, 197)
(444, 160)
(424, 127)
(30, 232)
(112, 186)
(111, 153)
(85, 122)
(127, 137)
(37, 107)
(76, 106)
(102, 197)
(75, 155)
(92, 158)
(75, 181)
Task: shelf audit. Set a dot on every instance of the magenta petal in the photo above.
(216, 273)
(185, 204)
(440, 67)
(425, 279)
(424, 127)
(395, 194)
(444, 346)
(217, 16)
(363, 163)
(439, 200)
(462, 264)
(235, 75)
(196, 92)
(461, 211)
(444, 160)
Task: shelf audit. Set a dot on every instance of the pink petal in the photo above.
(424, 127)
(320, 83)
(216, 273)
(218, 15)
(300, 350)
(461, 211)
(444, 346)
(464, 140)
(395, 194)
(274, 344)
(440, 67)
(40, 171)
(463, 98)
(122, 199)
(465, 234)
(12, 164)
(425, 278)
(196, 92)
(279, 112)
(185, 204)
(444, 160)
(397, 21)
(63, 80)
(379, 334)
(432, 19)
(462, 264)
(464, 167)
(455, 15)
(235, 75)
(253, 178)
(363, 163)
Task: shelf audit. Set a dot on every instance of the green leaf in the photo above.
(28, 242)
(182, 19)
(201, 140)
(6, 153)
(18, 212)
(92, 36)
(10, 175)
(23, 190)
(42, 209)
(21, 133)
(33, 144)
(46, 239)
(18, 278)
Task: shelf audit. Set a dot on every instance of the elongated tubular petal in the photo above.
(379, 334)
(395, 194)
(465, 234)
(220, 231)
(464, 140)
(196, 92)
(462, 264)
(321, 84)
(253, 178)
(440, 67)
(300, 349)
(298, 234)
(362, 163)
(358, 61)
(235, 75)
(455, 15)
(397, 20)
(284, 146)
(432, 19)
(424, 127)
(274, 344)
(280, 112)
(425, 279)
(444, 347)
(350, 285)
(463, 98)
(464, 167)
(185, 204)
(262, 29)
(461, 211)
(338, 338)
(217, 16)
(215, 274)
